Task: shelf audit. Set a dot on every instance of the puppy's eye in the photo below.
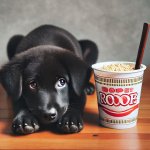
(33, 85)
(60, 83)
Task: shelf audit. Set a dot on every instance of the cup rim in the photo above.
(98, 66)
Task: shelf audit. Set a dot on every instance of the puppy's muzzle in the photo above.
(51, 115)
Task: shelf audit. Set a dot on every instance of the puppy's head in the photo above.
(44, 78)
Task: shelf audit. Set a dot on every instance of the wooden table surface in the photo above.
(93, 136)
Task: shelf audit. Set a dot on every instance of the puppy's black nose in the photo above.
(51, 114)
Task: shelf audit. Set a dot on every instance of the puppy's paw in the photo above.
(90, 88)
(71, 122)
(25, 123)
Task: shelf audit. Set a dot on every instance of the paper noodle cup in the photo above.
(118, 95)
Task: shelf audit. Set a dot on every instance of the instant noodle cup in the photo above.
(118, 93)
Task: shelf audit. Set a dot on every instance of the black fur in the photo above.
(47, 77)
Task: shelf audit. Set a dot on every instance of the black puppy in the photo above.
(46, 77)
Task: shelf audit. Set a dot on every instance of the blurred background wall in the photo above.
(115, 25)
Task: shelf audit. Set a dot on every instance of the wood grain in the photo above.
(93, 136)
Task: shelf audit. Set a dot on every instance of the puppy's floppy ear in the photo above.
(78, 71)
(11, 79)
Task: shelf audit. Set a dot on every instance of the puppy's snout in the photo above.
(51, 114)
